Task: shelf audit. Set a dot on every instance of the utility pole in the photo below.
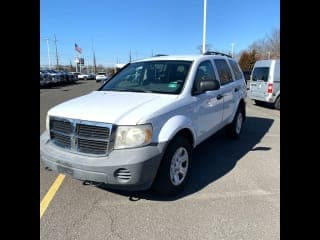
(204, 27)
(94, 62)
(130, 56)
(94, 58)
(57, 59)
(49, 61)
(269, 55)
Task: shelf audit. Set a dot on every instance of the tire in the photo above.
(173, 171)
(234, 129)
(277, 103)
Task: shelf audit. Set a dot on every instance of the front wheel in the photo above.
(174, 168)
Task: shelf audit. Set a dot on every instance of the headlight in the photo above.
(133, 136)
(47, 123)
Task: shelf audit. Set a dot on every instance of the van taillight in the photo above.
(270, 87)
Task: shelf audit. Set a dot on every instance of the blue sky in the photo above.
(112, 28)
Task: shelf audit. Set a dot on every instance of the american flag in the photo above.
(77, 48)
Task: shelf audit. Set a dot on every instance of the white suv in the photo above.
(138, 130)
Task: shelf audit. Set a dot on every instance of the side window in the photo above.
(235, 69)
(223, 71)
(204, 72)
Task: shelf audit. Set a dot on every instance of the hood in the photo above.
(123, 108)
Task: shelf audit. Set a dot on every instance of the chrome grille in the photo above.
(92, 131)
(80, 136)
(92, 146)
(61, 140)
(61, 126)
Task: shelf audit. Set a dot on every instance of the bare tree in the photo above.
(268, 46)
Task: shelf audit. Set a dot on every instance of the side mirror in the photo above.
(209, 85)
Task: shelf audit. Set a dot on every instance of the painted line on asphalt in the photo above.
(50, 194)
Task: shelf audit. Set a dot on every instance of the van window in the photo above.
(223, 71)
(236, 70)
(260, 73)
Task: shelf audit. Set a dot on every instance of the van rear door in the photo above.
(259, 82)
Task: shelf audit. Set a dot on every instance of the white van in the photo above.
(265, 82)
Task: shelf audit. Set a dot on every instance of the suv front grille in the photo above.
(92, 131)
(80, 136)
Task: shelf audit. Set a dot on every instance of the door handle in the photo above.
(219, 96)
(236, 89)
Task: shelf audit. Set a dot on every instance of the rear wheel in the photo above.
(235, 127)
(174, 168)
(277, 103)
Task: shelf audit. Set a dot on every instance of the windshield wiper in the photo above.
(128, 90)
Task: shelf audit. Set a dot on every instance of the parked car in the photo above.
(265, 82)
(139, 129)
(75, 75)
(101, 76)
(55, 76)
(44, 79)
(86, 76)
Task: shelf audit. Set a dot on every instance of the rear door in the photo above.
(228, 88)
(259, 82)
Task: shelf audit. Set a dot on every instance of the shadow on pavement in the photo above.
(60, 85)
(212, 159)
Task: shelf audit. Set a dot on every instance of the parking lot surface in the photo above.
(233, 192)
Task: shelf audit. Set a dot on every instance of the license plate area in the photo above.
(65, 170)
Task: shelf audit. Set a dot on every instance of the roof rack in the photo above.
(160, 55)
(216, 53)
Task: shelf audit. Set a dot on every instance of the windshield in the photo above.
(151, 76)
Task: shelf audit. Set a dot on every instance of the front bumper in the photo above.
(142, 164)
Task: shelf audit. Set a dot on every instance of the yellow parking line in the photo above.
(50, 194)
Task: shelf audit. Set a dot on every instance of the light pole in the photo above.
(204, 26)
(49, 62)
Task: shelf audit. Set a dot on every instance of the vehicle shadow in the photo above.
(212, 159)
(265, 105)
(60, 85)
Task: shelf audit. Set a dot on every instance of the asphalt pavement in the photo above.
(233, 192)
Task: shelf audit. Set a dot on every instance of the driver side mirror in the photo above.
(209, 85)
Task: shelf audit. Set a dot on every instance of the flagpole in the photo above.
(204, 26)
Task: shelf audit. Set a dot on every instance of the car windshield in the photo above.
(151, 76)
(101, 73)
